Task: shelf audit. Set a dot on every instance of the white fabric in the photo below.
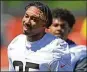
(50, 53)
(78, 52)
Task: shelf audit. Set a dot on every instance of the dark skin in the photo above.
(34, 22)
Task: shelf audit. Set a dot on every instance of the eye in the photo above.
(26, 16)
(55, 25)
(63, 26)
(35, 19)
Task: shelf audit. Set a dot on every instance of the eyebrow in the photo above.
(32, 16)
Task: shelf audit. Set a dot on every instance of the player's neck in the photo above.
(35, 37)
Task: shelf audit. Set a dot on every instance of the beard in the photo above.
(34, 31)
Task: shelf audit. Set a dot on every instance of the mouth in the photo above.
(26, 30)
(27, 27)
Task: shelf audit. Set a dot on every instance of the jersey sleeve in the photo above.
(11, 47)
(61, 58)
(11, 68)
(79, 58)
(81, 66)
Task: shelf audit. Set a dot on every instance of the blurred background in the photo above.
(11, 26)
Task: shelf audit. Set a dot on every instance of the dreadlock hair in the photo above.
(44, 8)
(64, 14)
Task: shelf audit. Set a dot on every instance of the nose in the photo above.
(28, 20)
(59, 27)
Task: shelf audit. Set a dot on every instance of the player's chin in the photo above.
(58, 36)
(29, 33)
(25, 32)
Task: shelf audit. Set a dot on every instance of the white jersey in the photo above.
(78, 53)
(47, 54)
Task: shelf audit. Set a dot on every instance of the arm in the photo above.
(62, 64)
(11, 68)
(81, 66)
(79, 58)
(62, 58)
(10, 49)
(10, 52)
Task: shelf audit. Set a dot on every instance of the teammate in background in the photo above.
(35, 50)
(62, 24)
(63, 21)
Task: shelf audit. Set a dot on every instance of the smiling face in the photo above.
(33, 21)
(59, 28)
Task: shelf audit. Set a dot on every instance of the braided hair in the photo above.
(44, 8)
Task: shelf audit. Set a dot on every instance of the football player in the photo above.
(35, 50)
(63, 21)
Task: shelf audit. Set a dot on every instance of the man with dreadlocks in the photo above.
(35, 50)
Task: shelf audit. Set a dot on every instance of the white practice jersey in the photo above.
(78, 53)
(47, 54)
